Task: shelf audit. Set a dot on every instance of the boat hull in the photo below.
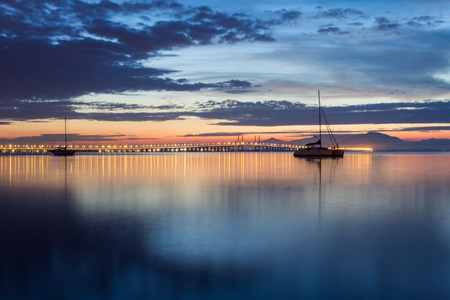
(322, 152)
(62, 152)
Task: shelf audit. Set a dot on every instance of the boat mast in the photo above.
(65, 133)
(320, 120)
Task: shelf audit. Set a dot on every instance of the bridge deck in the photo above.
(204, 147)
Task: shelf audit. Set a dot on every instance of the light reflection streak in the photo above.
(125, 171)
(242, 157)
(244, 168)
(10, 171)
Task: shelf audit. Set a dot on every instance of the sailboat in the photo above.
(63, 151)
(316, 149)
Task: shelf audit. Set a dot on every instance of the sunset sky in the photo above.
(166, 71)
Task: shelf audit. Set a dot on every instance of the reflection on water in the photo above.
(225, 225)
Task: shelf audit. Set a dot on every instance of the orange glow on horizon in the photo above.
(190, 131)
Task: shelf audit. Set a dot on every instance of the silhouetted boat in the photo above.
(63, 151)
(316, 149)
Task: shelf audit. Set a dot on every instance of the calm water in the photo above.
(225, 226)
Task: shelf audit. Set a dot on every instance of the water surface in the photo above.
(225, 226)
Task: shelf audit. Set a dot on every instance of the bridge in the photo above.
(183, 147)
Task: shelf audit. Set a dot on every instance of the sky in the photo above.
(151, 72)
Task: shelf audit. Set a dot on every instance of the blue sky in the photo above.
(173, 71)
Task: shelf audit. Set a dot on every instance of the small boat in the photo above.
(316, 149)
(63, 151)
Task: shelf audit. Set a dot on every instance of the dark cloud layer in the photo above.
(331, 29)
(263, 114)
(64, 49)
(427, 128)
(277, 113)
(239, 113)
(339, 13)
(59, 138)
(382, 23)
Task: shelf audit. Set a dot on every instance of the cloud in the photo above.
(281, 113)
(65, 49)
(392, 113)
(235, 86)
(424, 21)
(112, 107)
(401, 56)
(427, 128)
(339, 13)
(250, 133)
(383, 24)
(331, 29)
(95, 138)
(22, 110)
(59, 138)
(264, 114)
(233, 112)
(212, 134)
(286, 16)
(405, 64)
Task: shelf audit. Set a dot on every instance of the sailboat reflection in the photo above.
(318, 162)
(65, 174)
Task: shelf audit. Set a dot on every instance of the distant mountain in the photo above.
(375, 140)
(370, 138)
(274, 141)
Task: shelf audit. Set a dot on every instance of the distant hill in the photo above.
(375, 140)
(274, 141)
